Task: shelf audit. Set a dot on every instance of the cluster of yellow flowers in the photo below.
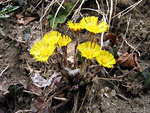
(44, 48)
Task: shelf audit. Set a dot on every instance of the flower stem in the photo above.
(87, 68)
(96, 72)
(75, 49)
(64, 49)
(91, 37)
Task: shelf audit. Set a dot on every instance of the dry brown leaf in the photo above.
(129, 61)
(25, 20)
(19, 16)
(112, 37)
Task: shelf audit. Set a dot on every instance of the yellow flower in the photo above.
(89, 49)
(74, 26)
(51, 37)
(91, 24)
(42, 52)
(105, 59)
(64, 41)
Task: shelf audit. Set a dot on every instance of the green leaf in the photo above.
(55, 23)
(26, 34)
(4, 16)
(68, 8)
(114, 51)
(49, 16)
(61, 19)
(146, 74)
(8, 9)
(15, 89)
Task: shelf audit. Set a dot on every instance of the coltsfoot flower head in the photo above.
(91, 24)
(51, 37)
(41, 51)
(74, 26)
(64, 41)
(105, 59)
(89, 50)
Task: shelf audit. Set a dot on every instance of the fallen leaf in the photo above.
(129, 61)
(112, 37)
(25, 20)
(41, 82)
(40, 106)
(34, 89)
(19, 16)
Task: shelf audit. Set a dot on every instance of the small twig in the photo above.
(108, 79)
(121, 96)
(49, 101)
(75, 107)
(83, 101)
(62, 99)
(59, 105)
(72, 8)
(24, 111)
(102, 34)
(111, 11)
(41, 21)
(48, 7)
(4, 70)
(127, 73)
(127, 9)
(30, 92)
(57, 13)
(37, 5)
(78, 10)
(124, 38)
(59, 4)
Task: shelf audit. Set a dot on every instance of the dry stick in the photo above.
(109, 79)
(59, 4)
(78, 10)
(72, 8)
(75, 107)
(111, 11)
(59, 105)
(99, 12)
(115, 5)
(37, 5)
(48, 7)
(107, 8)
(57, 13)
(49, 101)
(24, 111)
(104, 18)
(127, 9)
(83, 101)
(124, 39)
(127, 73)
(4, 70)
(41, 21)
